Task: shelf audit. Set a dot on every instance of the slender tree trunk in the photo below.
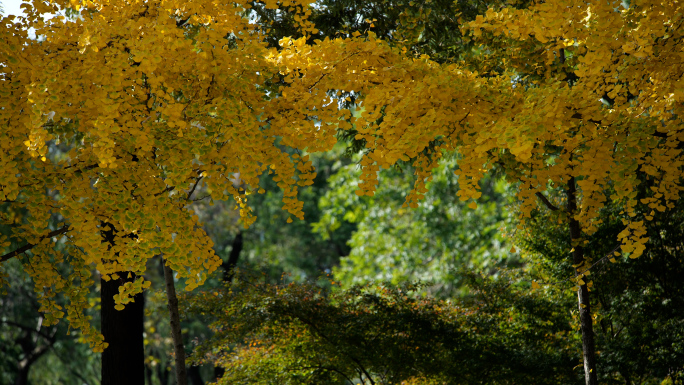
(163, 374)
(195, 376)
(178, 347)
(148, 375)
(229, 266)
(26, 363)
(228, 275)
(123, 361)
(22, 376)
(32, 349)
(586, 324)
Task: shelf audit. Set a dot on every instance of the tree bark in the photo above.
(31, 348)
(163, 374)
(178, 347)
(228, 275)
(229, 266)
(584, 305)
(148, 375)
(195, 376)
(28, 361)
(123, 361)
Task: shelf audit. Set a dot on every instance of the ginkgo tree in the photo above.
(589, 96)
(110, 121)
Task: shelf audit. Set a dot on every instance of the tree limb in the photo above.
(29, 329)
(29, 246)
(193, 188)
(547, 203)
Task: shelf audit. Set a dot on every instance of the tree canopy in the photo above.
(119, 114)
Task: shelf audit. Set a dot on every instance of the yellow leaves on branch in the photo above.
(590, 91)
(119, 114)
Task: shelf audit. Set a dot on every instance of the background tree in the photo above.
(637, 303)
(547, 132)
(434, 242)
(379, 334)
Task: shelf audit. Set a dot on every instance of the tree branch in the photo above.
(28, 329)
(547, 203)
(193, 188)
(29, 246)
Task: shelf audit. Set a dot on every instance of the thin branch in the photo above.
(193, 188)
(28, 329)
(316, 330)
(547, 203)
(181, 23)
(200, 199)
(578, 115)
(86, 168)
(607, 256)
(167, 189)
(29, 246)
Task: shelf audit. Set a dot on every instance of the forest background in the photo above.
(363, 288)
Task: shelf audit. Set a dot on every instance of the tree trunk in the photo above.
(229, 266)
(228, 275)
(178, 347)
(26, 364)
(163, 374)
(195, 376)
(22, 376)
(148, 375)
(31, 349)
(123, 361)
(586, 324)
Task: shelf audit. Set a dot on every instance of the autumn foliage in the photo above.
(111, 119)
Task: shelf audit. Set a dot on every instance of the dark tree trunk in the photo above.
(22, 376)
(586, 324)
(229, 266)
(31, 349)
(228, 274)
(163, 373)
(123, 361)
(25, 365)
(178, 347)
(195, 376)
(148, 375)
(218, 372)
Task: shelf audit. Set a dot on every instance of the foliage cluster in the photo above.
(378, 333)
